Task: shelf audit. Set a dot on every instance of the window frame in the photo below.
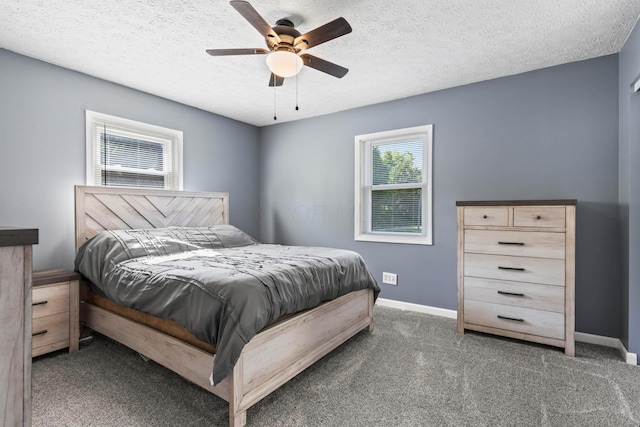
(364, 186)
(144, 131)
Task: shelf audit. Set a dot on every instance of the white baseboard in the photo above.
(436, 311)
(630, 358)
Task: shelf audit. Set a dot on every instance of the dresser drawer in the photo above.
(49, 330)
(518, 319)
(48, 300)
(490, 216)
(520, 269)
(516, 243)
(539, 216)
(518, 294)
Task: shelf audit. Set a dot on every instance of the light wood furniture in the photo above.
(516, 270)
(270, 359)
(15, 318)
(55, 311)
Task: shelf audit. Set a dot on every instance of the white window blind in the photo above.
(393, 186)
(125, 153)
(397, 181)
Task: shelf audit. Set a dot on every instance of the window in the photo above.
(126, 153)
(393, 186)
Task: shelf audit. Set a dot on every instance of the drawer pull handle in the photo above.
(39, 333)
(511, 268)
(512, 243)
(538, 217)
(510, 318)
(484, 216)
(39, 303)
(513, 294)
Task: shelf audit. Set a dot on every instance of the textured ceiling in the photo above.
(397, 49)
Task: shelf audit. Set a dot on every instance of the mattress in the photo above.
(217, 282)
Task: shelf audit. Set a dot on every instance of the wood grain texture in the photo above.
(74, 315)
(12, 236)
(57, 275)
(539, 216)
(529, 295)
(460, 263)
(496, 216)
(570, 274)
(11, 335)
(545, 271)
(50, 299)
(523, 270)
(15, 335)
(53, 297)
(50, 333)
(533, 322)
(549, 202)
(270, 359)
(515, 243)
(110, 208)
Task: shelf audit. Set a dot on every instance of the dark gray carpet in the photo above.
(413, 370)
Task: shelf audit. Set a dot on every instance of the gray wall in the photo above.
(630, 191)
(551, 133)
(42, 149)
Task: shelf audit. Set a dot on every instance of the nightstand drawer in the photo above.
(519, 269)
(539, 216)
(515, 243)
(524, 320)
(49, 330)
(490, 216)
(527, 295)
(48, 300)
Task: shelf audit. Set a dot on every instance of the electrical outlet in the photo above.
(390, 278)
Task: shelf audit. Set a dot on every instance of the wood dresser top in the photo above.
(518, 202)
(14, 236)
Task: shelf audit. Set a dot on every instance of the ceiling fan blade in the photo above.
(336, 28)
(254, 18)
(228, 52)
(324, 66)
(275, 80)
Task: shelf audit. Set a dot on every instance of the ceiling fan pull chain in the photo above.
(297, 93)
(274, 97)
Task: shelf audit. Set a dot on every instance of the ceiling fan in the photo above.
(285, 43)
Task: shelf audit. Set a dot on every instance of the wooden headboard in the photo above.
(118, 208)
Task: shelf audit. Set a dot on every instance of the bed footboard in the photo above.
(270, 359)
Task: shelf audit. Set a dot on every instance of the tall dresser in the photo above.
(516, 269)
(15, 318)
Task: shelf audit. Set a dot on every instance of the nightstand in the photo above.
(55, 305)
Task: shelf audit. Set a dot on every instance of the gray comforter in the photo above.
(217, 282)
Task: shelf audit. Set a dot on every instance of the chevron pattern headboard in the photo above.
(114, 208)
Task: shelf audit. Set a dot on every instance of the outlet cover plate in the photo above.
(389, 278)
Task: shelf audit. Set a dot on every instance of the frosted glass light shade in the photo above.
(284, 64)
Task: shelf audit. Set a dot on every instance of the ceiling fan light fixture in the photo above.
(284, 63)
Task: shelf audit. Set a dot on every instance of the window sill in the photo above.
(406, 240)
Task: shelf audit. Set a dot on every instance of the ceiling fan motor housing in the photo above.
(286, 31)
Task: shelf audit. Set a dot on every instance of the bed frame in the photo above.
(270, 359)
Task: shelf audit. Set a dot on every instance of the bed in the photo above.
(271, 357)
